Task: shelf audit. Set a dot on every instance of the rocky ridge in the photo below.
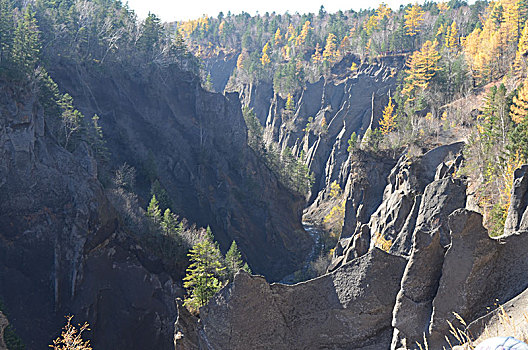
(442, 261)
(345, 101)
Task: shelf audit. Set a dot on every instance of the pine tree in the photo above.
(352, 142)
(26, 43)
(202, 280)
(71, 119)
(151, 31)
(6, 30)
(153, 210)
(169, 223)
(233, 260)
(96, 139)
(387, 122)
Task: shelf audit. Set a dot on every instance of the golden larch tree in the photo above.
(451, 40)
(422, 66)
(388, 119)
(265, 59)
(241, 58)
(278, 37)
(329, 52)
(442, 7)
(290, 103)
(291, 34)
(383, 11)
(522, 51)
(317, 55)
(301, 39)
(519, 108)
(413, 19)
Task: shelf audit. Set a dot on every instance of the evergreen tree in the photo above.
(26, 43)
(161, 194)
(202, 280)
(71, 119)
(233, 260)
(6, 30)
(151, 32)
(153, 210)
(169, 223)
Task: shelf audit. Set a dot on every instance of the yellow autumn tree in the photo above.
(329, 53)
(301, 38)
(442, 7)
(413, 19)
(290, 103)
(441, 30)
(522, 51)
(451, 40)
(519, 108)
(383, 11)
(291, 34)
(317, 55)
(373, 22)
(482, 47)
(513, 20)
(265, 59)
(388, 119)
(422, 66)
(241, 58)
(71, 337)
(489, 50)
(278, 37)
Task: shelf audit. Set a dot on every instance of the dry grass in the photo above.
(507, 326)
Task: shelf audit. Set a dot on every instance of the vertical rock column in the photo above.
(414, 303)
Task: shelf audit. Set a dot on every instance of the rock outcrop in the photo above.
(61, 247)
(195, 143)
(348, 309)
(339, 105)
(390, 213)
(451, 266)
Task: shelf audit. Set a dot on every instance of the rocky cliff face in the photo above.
(195, 143)
(348, 309)
(440, 258)
(61, 248)
(345, 102)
